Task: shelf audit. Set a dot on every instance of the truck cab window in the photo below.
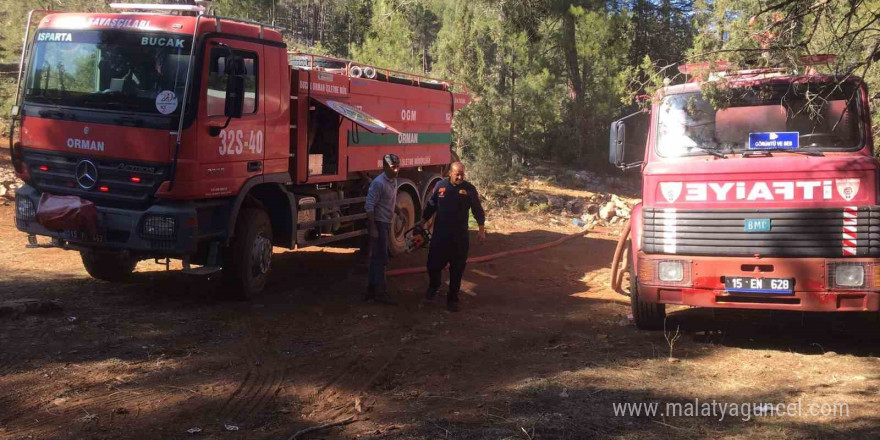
(109, 70)
(826, 118)
(221, 67)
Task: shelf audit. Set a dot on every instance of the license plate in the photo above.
(757, 225)
(83, 236)
(778, 286)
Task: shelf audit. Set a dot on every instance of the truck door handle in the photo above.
(254, 166)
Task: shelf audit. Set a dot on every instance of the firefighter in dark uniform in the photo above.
(452, 200)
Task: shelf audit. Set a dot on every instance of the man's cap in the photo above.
(391, 160)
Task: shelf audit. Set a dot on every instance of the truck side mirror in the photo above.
(234, 96)
(618, 139)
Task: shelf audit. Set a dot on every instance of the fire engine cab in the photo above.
(163, 131)
(759, 191)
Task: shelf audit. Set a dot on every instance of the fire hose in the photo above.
(620, 255)
(484, 258)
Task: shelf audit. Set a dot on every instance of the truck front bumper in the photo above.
(702, 283)
(172, 228)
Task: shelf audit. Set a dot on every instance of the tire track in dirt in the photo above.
(7, 368)
(252, 395)
(347, 371)
(260, 386)
(341, 394)
(79, 412)
(267, 393)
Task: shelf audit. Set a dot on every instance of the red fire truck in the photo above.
(759, 195)
(161, 131)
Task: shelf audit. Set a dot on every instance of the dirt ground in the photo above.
(542, 349)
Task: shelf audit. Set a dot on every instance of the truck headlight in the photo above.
(24, 208)
(158, 226)
(667, 273)
(848, 275)
(670, 271)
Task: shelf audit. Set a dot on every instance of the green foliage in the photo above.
(348, 30)
(546, 77)
(14, 18)
(257, 10)
(763, 33)
(602, 41)
(401, 36)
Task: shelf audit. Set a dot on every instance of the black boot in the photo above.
(452, 306)
(383, 297)
(430, 294)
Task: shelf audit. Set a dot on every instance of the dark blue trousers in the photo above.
(455, 254)
(379, 258)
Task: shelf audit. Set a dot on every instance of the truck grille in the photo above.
(834, 232)
(125, 183)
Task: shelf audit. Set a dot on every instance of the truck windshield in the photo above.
(825, 117)
(109, 70)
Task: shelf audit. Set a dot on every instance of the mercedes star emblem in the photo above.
(86, 174)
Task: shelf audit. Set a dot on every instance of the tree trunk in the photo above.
(572, 64)
(571, 56)
(314, 22)
(512, 140)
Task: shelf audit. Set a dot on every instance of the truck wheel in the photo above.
(647, 316)
(115, 267)
(402, 223)
(248, 259)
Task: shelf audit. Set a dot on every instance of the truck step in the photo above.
(202, 271)
(332, 238)
(42, 246)
(33, 243)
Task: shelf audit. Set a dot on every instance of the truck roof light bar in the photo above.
(717, 69)
(697, 68)
(713, 71)
(818, 59)
(252, 22)
(159, 7)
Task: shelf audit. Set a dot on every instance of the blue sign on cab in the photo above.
(786, 140)
(757, 225)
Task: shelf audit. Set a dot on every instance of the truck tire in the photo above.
(647, 316)
(402, 223)
(248, 259)
(115, 267)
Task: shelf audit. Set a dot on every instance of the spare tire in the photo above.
(402, 222)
